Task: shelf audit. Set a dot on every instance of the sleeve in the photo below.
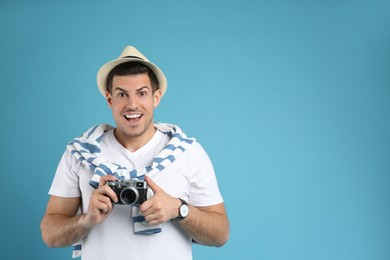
(66, 179)
(204, 189)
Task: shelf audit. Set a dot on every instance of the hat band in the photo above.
(135, 57)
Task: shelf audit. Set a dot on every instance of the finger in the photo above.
(100, 202)
(151, 207)
(105, 193)
(152, 184)
(103, 207)
(104, 179)
(108, 192)
(151, 217)
(146, 207)
(155, 218)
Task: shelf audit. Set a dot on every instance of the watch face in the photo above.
(184, 211)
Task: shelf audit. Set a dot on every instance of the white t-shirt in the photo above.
(191, 177)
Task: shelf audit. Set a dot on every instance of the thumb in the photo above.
(155, 188)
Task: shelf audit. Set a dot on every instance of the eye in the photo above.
(122, 94)
(142, 93)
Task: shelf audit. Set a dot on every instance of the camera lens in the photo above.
(129, 195)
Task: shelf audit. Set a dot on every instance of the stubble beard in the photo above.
(134, 132)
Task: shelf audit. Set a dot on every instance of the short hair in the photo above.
(132, 68)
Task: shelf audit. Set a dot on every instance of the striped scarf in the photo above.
(86, 149)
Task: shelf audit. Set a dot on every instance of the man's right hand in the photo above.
(100, 204)
(61, 226)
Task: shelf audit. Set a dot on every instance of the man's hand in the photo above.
(100, 205)
(61, 226)
(207, 225)
(161, 207)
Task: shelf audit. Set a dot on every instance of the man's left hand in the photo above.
(161, 207)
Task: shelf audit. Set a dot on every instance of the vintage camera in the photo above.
(129, 192)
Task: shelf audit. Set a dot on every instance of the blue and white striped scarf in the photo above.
(86, 149)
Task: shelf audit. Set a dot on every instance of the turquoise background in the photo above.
(289, 98)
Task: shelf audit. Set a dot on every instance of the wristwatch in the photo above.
(183, 210)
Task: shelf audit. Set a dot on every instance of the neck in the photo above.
(134, 142)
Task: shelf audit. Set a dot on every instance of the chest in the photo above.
(175, 179)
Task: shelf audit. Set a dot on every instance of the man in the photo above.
(185, 204)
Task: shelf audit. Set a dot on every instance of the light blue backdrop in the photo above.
(289, 98)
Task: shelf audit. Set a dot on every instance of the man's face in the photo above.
(132, 102)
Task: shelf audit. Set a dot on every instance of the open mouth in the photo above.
(129, 117)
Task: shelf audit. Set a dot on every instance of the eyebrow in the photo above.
(141, 88)
(123, 90)
(119, 89)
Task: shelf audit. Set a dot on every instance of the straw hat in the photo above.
(129, 54)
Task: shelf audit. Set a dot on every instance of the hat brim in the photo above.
(106, 69)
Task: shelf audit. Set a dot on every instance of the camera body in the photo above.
(129, 192)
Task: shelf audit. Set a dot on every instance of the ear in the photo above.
(109, 99)
(156, 98)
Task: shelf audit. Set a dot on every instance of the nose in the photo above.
(132, 103)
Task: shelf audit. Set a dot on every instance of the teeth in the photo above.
(131, 116)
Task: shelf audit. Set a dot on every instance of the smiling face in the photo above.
(132, 102)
